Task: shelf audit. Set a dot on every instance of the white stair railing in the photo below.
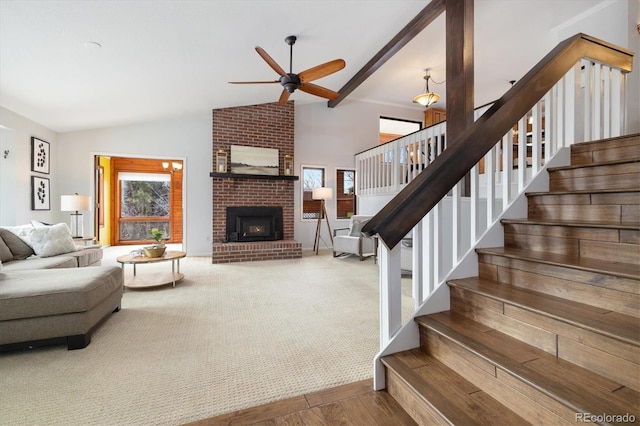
(387, 168)
(443, 241)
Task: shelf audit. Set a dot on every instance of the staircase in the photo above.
(549, 331)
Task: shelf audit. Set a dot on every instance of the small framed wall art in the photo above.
(40, 196)
(39, 156)
(221, 161)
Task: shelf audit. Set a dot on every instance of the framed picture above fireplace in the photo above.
(254, 161)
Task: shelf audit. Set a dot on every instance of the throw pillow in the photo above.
(21, 231)
(52, 240)
(37, 223)
(5, 252)
(356, 226)
(18, 247)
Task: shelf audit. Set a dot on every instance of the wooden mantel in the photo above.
(249, 176)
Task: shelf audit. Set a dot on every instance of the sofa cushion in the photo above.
(28, 294)
(52, 240)
(35, 263)
(86, 256)
(18, 247)
(5, 252)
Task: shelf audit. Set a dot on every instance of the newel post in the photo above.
(390, 293)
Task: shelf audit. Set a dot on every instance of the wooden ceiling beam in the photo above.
(412, 29)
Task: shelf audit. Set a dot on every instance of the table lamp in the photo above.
(75, 203)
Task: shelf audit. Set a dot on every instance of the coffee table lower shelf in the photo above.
(153, 280)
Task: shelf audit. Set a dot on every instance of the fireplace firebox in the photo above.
(254, 223)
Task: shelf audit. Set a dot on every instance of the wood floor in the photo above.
(352, 404)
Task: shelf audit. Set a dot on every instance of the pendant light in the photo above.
(427, 98)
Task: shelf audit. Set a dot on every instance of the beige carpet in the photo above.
(227, 337)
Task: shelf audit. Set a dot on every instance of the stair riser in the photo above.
(613, 208)
(605, 291)
(434, 394)
(618, 361)
(596, 243)
(621, 353)
(614, 176)
(611, 150)
(490, 312)
(405, 395)
(532, 405)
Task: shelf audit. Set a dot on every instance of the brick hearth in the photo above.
(263, 250)
(264, 126)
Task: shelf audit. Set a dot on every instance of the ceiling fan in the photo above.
(291, 81)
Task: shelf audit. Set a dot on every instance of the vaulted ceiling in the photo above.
(166, 58)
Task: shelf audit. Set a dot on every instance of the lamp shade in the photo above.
(427, 99)
(322, 193)
(69, 203)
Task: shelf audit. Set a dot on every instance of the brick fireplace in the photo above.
(262, 126)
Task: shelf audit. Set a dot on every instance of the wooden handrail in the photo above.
(411, 204)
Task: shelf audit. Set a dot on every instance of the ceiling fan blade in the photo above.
(323, 92)
(269, 60)
(322, 70)
(254, 82)
(284, 97)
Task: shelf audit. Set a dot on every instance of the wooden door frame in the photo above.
(178, 224)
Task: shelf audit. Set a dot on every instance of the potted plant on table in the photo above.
(158, 248)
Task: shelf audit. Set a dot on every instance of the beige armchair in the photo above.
(351, 241)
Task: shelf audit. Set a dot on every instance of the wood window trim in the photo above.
(144, 165)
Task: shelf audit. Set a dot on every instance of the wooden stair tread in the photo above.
(573, 388)
(618, 269)
(632, 138)
(612, 324)
(575, 224)
(448, 393)
(581, 191)
(591, 165)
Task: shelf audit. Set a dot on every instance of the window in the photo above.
(345, 193)
(312, 177)
(144, 204)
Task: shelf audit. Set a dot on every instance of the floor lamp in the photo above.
(322, 194)
(75, 203)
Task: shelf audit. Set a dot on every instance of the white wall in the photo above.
(7, 176)
(327, 137)
(187, 138)
(330, 137)
(324, 136)
(15, 179)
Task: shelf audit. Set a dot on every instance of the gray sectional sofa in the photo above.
(57, 299)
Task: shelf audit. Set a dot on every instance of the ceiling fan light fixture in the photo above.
(291, 81)
(427, 98)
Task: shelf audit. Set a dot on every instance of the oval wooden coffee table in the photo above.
(155, 279)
